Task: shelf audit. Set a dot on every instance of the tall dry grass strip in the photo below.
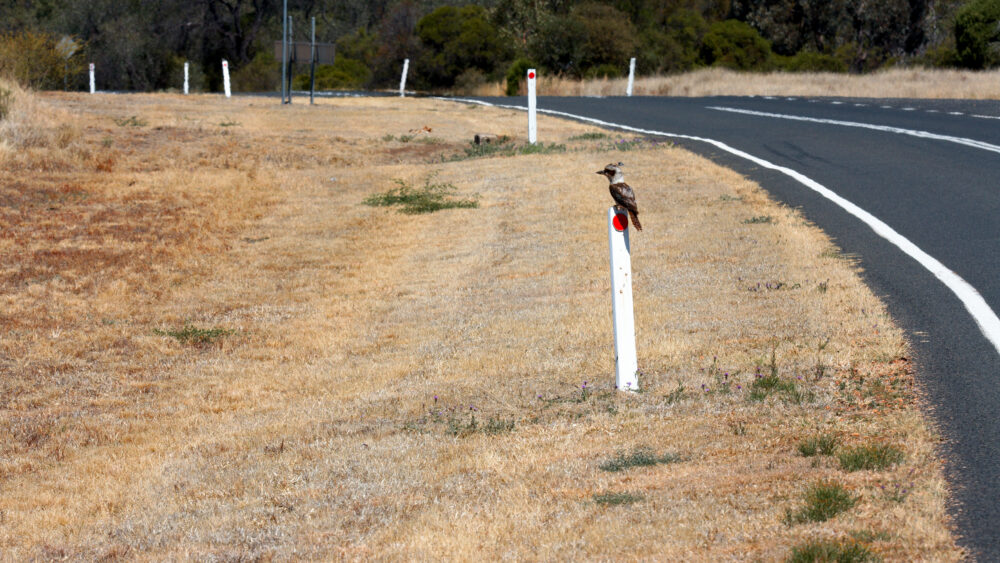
(211, 348)
(892, 83)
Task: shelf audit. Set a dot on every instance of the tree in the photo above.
(977, 34)
(455, 40)
(734, 44)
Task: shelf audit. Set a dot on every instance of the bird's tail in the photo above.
(635, 219)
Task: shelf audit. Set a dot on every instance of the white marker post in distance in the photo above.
(185, 78)
(626, 361)
(92, 84)
(631, 77)
(402, 80)
(532, 119)
(225, 77)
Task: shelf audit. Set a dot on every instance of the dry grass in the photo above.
(332, 416)
(893, 83)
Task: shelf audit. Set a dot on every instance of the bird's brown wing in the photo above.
(624, 196)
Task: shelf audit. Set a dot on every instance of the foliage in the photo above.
(872, 457)
(824, 500)
(343, 74)
(427, 199)
(615, 499)
(810, 61)
(832, 552)
(455, 40)
(516, 75)
(977, 35)
(736, 45)
(824, 444)
(590, 37)
(639, 457)
(193, 335)
(262, 74)
(38, 59)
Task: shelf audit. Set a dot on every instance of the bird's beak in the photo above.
(600, 172)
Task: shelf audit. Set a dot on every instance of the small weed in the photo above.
(429, 198)
(106, 142)
(766, 385)
(133, 121)
(589, 137)
(6, 102)
(624, 145)
(824, 500)
(897, 492)
(738, 428)
(615, 499)
(193, 335)
(229, 123)
(874, 457)
(824, 444)
(492, 427)
(832, 552)
(823, 286)
(869, 537)
(640, 457)
(763, 219)
(675, 395)
(727, 197)
(503, 147)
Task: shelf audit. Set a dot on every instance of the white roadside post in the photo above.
(402, 80)
(186, 82)
(532, 120)
(626, 362)
(225, 77)
(631, 76)
(92, 85)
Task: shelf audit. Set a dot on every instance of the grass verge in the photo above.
(404, 385)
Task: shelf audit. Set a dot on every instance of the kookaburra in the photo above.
(621, 192)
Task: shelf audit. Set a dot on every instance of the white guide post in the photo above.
(626, 362)
(532, 120)
(92, 78)
(631, 76)
(402, 80)
(185, 78)
(225, 77)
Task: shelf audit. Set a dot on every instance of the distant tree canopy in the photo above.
(142, 44)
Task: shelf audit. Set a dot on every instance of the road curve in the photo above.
(927, 170)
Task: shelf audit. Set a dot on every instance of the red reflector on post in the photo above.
(620, 221)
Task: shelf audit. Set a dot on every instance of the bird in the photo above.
(621, 192)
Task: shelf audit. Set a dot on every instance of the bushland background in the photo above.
(141, 46)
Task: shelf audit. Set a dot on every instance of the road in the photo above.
(926, 170)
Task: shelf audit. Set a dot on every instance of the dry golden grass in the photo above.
(893, 83)
(334, 420)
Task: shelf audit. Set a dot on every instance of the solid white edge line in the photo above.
(885, 128)
(980, 310)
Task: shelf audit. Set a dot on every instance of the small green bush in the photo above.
(6, 102)
(640, 457)
(517, 73)
(427, 199)
(825, 444)
(615, 499)
(193, 335)
(830, 552)
(809, 61)
(874, 458)
(824, 500)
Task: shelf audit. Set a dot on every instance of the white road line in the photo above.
(985, 116)
(980, 310)
(898, 130)
(955, 113)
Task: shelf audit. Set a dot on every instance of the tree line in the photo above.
(141, 45)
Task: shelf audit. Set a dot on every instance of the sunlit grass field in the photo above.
(224, 335)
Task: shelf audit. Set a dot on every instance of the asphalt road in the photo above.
(940, 189)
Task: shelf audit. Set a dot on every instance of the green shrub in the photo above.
(517, 72)
(615, 499)
(734, 44)
(428, 199)
(640, 457)
(977, 34)
(830, 552)
(875, 458)
(824, 444)
(455, 40)
(824, 500)
(809, 61)
(262, 74)
(39, 60)
(343, 74)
